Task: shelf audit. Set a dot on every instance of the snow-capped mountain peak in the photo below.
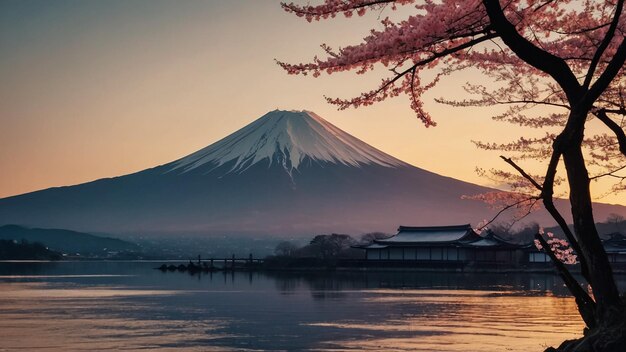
(342, 185)
(288, 138)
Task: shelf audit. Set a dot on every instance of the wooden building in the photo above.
(458, 246)
(458, 243)
(615, 247)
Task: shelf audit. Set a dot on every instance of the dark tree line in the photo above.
(328, 247)
(24, 250)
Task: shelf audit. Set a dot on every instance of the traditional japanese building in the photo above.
(615, 247)
(458, 243)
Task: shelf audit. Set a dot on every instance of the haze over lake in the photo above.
(74, 306)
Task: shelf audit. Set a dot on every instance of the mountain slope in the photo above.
(65, 240)
(289, 173)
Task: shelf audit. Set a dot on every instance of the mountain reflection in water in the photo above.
(71, 306)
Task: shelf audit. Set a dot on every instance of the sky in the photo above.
(92, 89)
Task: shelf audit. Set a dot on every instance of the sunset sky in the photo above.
(93, 89)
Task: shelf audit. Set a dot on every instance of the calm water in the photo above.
(85, 306)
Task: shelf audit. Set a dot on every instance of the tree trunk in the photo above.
(609, 306)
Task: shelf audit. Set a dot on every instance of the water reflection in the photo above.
(315, 282)
(130, 306)
(51, 317)
(437, 320)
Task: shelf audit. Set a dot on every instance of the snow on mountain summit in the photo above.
(287, 137)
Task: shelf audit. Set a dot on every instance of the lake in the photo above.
(85, 306)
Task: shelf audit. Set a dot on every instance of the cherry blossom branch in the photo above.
(542, 60)
(367, 97)
(605, 79)
(494, 101)
(586, 30)
(613, 126)
(522, 172)
(611, 174)
(535, 102)
(543, 5)
(331, 8)
(510, 206)
(608, 37)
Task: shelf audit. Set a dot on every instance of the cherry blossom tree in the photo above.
(556, 66)
(561, 249)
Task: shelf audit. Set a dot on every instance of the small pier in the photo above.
(215, 264)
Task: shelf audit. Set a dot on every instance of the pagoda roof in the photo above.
(492, 240)
(413, 235)
(615, 244)
(371, 246)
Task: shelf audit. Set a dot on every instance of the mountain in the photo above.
(287, 173)
(65, 240)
